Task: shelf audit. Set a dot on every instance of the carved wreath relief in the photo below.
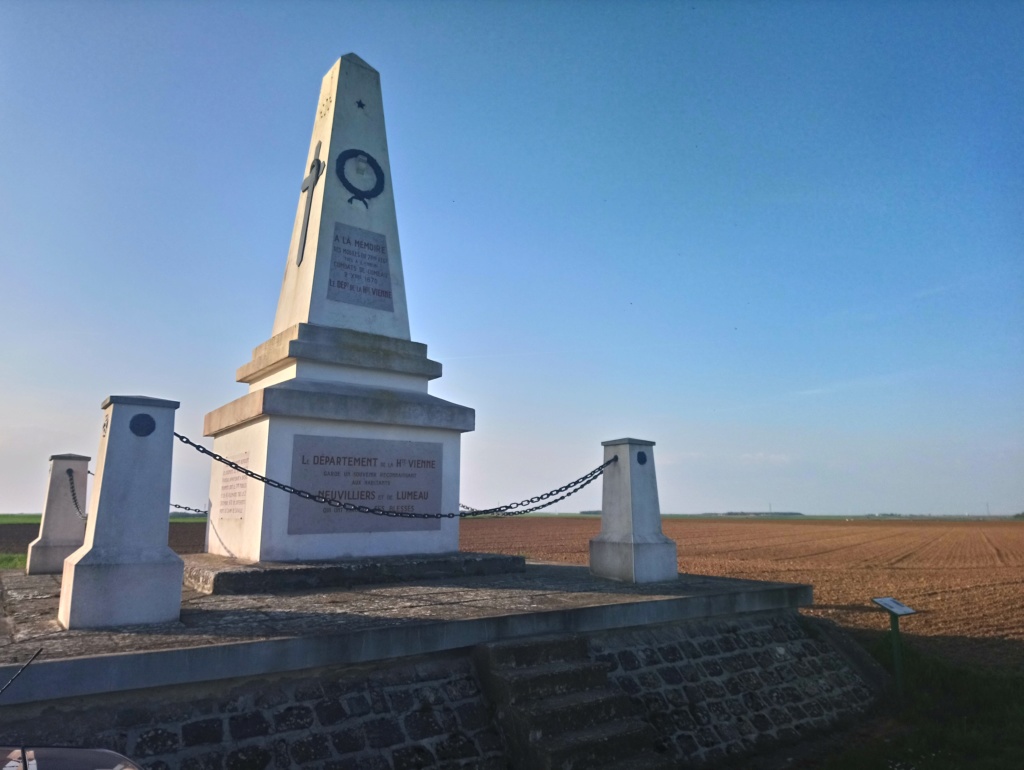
(363, 162)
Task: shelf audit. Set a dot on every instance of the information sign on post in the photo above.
(892, 605)
(895, 609)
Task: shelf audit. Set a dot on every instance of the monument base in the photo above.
(48, 558)
(253, 522)
(99, 594)
(634, 562)
(344, 416)
(210, 574)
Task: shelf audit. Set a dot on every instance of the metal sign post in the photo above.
(895, 610)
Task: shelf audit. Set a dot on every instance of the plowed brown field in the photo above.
(965, 579)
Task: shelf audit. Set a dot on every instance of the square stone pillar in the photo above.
(631, 546)
(125, 573)
(62, 529)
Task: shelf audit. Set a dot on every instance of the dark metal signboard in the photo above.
(894, 606)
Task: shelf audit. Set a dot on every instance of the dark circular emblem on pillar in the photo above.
(357, 193)
(142, 425)
(641, 457)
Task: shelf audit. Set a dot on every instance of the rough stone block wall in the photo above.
(415, 714)
(726, 688)
(710, 689)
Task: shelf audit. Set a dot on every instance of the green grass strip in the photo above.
(12, 561)
(955, 717)
(20, 518)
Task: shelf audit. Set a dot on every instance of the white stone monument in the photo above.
(338, 403)
(62, 528)
(631, 546)
(125, 573)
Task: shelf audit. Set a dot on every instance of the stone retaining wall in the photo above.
(720, 689)
(413, 714)
(711, 690)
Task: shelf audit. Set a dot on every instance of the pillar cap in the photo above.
(155, 403)
(69, 457)
(634, 441)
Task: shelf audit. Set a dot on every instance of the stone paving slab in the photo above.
(220, 636)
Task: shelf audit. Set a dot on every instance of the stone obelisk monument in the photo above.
(338, 403)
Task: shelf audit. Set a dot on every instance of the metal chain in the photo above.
(512, 509)
(78, 508)
(186, 508)
(18, 672)
(74, 495)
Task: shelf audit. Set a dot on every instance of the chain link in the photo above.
(74, 495)
(191, 510)
(512, 509)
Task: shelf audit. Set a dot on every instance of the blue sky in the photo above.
(783, 240)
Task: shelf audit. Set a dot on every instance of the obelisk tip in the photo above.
(352, 58)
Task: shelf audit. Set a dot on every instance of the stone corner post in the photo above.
(631, 546)
(62, 529)
(125, 573)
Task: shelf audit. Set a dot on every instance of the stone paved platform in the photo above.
(223, 636)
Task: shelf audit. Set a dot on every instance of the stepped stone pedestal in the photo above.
(62, 528)
(210, 574)
(338, 404)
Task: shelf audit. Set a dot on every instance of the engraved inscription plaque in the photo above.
(400, 476)
(360, 271)
(233, 486)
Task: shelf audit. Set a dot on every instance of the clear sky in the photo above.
(783, 240)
